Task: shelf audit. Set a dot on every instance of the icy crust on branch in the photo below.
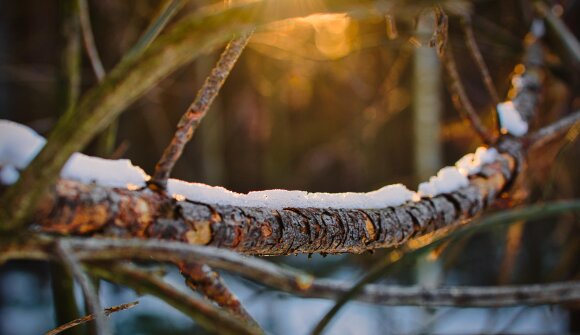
(510, 119)
(392, 195)
(19, 145)
(452, 178)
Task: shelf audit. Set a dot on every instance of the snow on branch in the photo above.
(109, 196)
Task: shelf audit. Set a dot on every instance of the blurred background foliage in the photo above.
(322, 103)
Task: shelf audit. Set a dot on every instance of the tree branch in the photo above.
(76, 209)
(302, 284)
(200, 277)
(554, 131)
(197, 110)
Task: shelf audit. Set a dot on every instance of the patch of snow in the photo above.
(19, 144)
(8, 175)
(392, 195)
(510, 119)
(105, 172)
(448, 179)
(22, 144)
(471, 163)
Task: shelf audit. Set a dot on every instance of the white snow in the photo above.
(471, 163)
(8, 175)
(18, 144)
(511, 120)
(538, 28)
(105, 172)
(448, 179)
(392, 195)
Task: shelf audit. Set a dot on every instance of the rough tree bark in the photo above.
(80, 209)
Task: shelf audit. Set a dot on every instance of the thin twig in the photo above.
(204, 313)
(90, 293)
(197, 110)
(200, 277)
(91, 317)
(554, 131)
(457, 296)
(478, 59)
(174, 252)
(460, 98)
(89, 40)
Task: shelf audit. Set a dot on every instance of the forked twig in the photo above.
(91, 317)
(197, 110)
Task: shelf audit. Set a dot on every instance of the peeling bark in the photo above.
(77, 209)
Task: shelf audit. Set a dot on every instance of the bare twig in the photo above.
(91, 317)
(197, 110)
(90, 293)
(252, 268)
(89, 40)
(460, 98)
(207, 315)
(468, 296)
(200, 277)
(478, 59)
(554, 131)
(285, 279)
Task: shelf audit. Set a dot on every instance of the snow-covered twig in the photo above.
(197, 110)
